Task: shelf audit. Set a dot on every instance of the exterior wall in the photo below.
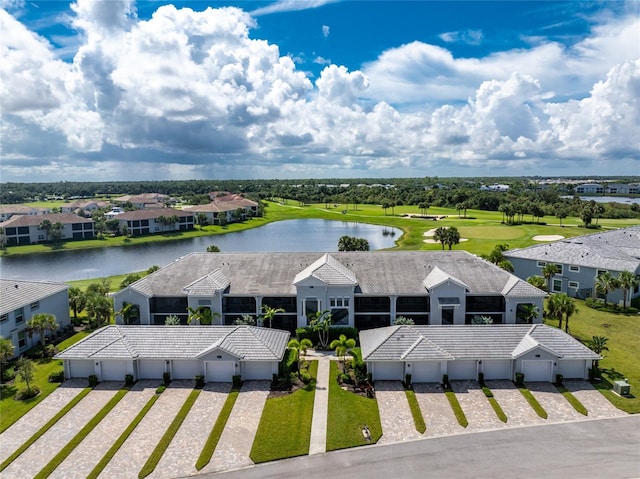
(448, 289)
(511, 308)
(33, 234)
(129, 296)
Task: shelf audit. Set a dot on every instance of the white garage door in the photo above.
(388, 371)
(81, 368)
(496, 369)
(151, 368)
(537, 370)
(257, 370)
(426, 372)
(572, 368)
(113, 370)
(186, 369)
(219, 371)
(462, 369)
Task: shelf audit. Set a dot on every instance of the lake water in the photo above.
(608, 199)
(282, 236)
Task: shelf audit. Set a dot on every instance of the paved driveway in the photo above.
(476, 407)
(513, 403)
(436, 410)
(597, 405)
(557, 407)
(395, 414)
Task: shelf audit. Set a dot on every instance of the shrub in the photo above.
(344, 378)
(93, 380)
(237, 381)
(519, 380)
(160, 389)
(166, 378)
(56, 377)
(199, 381)
(334, 333)
(481, 378)
(305, 377)
(559, 379)
(407, 380)
(27, 393)
(445, 381)
(128, 379)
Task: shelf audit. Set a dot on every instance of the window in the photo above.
(22, 339)
(600, 271)
(35, 305)
(574, 284)
(574, 269)
(19, 314)
(311, 306)
(558, 268)
(3, 318)
(339, 302)
(541, 264)
(557, 285)
(447, 315)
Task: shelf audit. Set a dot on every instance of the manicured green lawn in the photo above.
(214, 436)
(456, 408)
(285, 425)
(621, 361)
(347, 414)
(418, 418)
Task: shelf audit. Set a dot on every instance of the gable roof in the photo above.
(151, 214)
(498, 341)
(208, 285)
(17, 293)
(328, 270)
(247, 343)
(437, 277)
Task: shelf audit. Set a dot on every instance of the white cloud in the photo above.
(322, 61)
(325, 31)
(471, 37)
(290, 6)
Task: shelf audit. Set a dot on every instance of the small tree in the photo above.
(268, 313)
(77, 301)
(320, 322)
(598, 344)
(300, 349)
(6, 353)
(549, 271)
(41, 324)
(26, 371)
(213, 249)
(605, 283)
(539, 282)
(482, 320)
(342, 346)
(627, 281)
(440, 236)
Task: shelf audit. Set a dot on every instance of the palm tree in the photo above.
(300, 349)
(549, 271)
(452, 237)
(42, 323)
(268, 313)
(172, 320)
(527, 313)
(99, 309)
(440, 236)
(554, 308)
(342, 346)
(320, 322)
(26, 371)
(627, 280)
(77, 301)
(45, 225)
(538, 281)
(605, 283)
(569, 308)
(202, 315)
(6, 353)
(598, 344)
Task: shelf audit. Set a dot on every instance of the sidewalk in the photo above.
(318, 443)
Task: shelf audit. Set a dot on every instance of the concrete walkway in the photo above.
(237, 438)
(597, 405)
(395, 415)
(49, 444)
(436, 410)
(25, 427)
(318, 442)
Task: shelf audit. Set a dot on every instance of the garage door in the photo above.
(537, 370)
(496, 369)
(187, 369)
(426, 372)
(219, 371)
(114, 370)
(462, 369)
(81, 369)
(257, 370)
(388, 371)
(572, 368)
(151, 368)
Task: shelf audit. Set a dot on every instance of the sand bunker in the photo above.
(547, 237)
(429, 237)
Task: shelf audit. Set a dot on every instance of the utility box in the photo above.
(622, 388)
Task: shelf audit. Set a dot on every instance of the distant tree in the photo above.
(222, 218)
(539, 282)
(477, 319)
(452, 237)
(549, 271)
(213, 249)
(45, 225)
(99, 309)
(153, 269)
(605, 283)
(202, 315)
(129, 312)
(561, 213)
(77, 301)
(42, 323)
(130, 279)
(56, 232)
(6, 353)
(245, 320)
(348, 243)
(627, 281)
(440, 236)
(268, 313)
(527, 313)
(202, 219)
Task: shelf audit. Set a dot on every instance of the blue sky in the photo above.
(118, 90)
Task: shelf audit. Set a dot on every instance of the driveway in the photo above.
(395, 414)
(436, 411)
(597, 405)
(557, 407)
(513, 403)
(476, 407)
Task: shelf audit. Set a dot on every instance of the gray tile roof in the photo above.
(436, 277)
(16, 293)
(35, 220)
(376, 272)
(179, 342)
(328, 270)
(616, 250)
(152, 214)
(499, 341)
(208, 285)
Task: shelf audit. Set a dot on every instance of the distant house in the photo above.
(78, 207)
(144, 200)
(581, 259)
(143, 222)
(7, 211)
(21, 300)
(589, 189)
(226, 203)
(23, 229)
(494, 187)
(146, 352)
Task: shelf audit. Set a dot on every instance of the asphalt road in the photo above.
(599, 449)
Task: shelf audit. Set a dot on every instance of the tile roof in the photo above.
(436, 277)
(499, 341)
(208, 285)
(151, 214)
(616, 250)
(179, 342)
(18, 293)
(35, 220)
(328, 270)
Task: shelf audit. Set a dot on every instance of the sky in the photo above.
(151, 90)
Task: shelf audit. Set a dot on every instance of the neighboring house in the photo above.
(589, 188)
(146, 352)
(361, 289)
(83, 206)
(23, 229)
(115, 211)
(581, 259)
(494, 187)
(144, 200)
(7, 211)
(228, 204)
(498, 351)
(144, 222)
(21, 300)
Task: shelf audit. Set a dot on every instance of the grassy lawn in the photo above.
(347, 413)
(621, 361)
(418, 419)
(456, 408)
(285, 425)
(533, 402)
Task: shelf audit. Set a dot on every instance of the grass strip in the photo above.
(169, 434)
(418, 419)
(494, 404)
(97, 470)
(285, 424)
(45, 428)
(577, 405)
(457, 409)
(533, 402)
(216, 431)
(79, 437)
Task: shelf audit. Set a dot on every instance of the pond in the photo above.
(282, 236)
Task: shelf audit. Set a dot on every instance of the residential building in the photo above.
(143, 222)
(589, 189)
(361, 289)
(86, 207)
(462, 352)
(144, 200)
(21, 300)
(147, 352)
(7, 211)
(25, 229)
(233, 207)
(581, 259)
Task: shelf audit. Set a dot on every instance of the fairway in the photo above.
(497, 232)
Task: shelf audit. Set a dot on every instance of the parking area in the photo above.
(436, 410)
(476, 407)
(395, 414)
(513, 403)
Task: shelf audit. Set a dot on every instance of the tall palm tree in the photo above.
(555, 308)
(452, 237)
(605, 283)
(202, 315)
(440, 235)
(627, 280)
(342, 346)
(300, 349)
(268, 313)
(527, 313)
(42, 323)
(549, 271)
(598, 344)
(569, 309)
(77, 301)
